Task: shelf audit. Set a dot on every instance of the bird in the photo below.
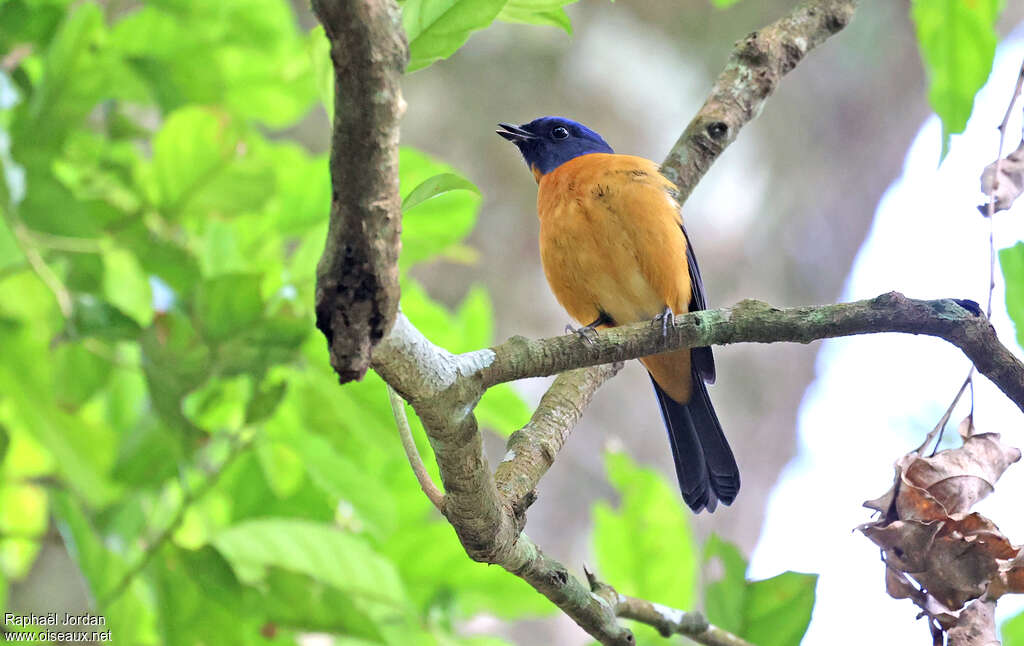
(614, 251)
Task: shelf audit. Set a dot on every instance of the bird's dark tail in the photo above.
(704, 462)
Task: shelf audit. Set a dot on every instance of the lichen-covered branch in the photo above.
(357, 278)
(757, 64)
(532, 449)
(667, 621)
(958, 322)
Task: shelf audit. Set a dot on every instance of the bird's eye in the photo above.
(559, 133)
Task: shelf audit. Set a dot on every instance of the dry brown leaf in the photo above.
(899, 586)
(981, 531)
(956, 570)
(958, 478)
(906, 543)
(966, 428)
(1011, 180)
(976, 626)
(1011, 577)
(938, 553)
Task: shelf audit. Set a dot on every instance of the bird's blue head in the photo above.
(548, 142)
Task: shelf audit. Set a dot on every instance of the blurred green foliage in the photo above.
(1011, 261)
(163, 398)
(957, 39)
(1012, 631)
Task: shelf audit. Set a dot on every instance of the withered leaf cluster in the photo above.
(1010, 180)
(952, 562)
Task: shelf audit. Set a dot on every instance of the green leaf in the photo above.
(193, 147)
(219, 405)
(282, 467)
(73, 80)
(301, 602)
(1011, 260)
(126, 285)
(1012, 631)
(538, 12)
(80, 374)
(149, 453)
(201, 602)
(317, 550)
(5, 443)
(433, 225)
(437, 185)
(772, 612)
(347, 482)
(163, 257)
(303, 196)
(437, 28)
(83, 456)
(92, 317)
(23, 509)
(957, 39)
(724, 4)
(85, 272)
(778, 610)
(646, 546)
(227, 304)
(724, 599)
(265, 401)
(175, 362)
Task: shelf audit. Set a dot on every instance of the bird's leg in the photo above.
(588, 332)
(666, 318)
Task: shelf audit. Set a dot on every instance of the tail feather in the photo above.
(705, 465)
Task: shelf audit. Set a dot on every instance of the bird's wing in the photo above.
(702, 358)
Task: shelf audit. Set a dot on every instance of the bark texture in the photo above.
(357, 277)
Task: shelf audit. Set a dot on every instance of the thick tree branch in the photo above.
(357, 278)
(755, 322)
(532, 449)
(757, 64)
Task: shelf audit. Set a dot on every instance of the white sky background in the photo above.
(876, 396)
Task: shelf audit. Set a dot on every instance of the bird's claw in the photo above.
(666, 318)
(587, 333)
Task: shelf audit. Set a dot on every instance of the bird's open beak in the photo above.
(515, 134)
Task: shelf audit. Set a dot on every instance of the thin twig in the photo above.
(995, 186)
(415, 461)
(941, 426)
(667, 621)
(70, 244)
(23, 239)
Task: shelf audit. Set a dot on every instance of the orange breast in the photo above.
(611, 242)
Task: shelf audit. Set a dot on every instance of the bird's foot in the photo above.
(588, 332)
(666, 318)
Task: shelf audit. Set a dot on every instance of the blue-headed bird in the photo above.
(613, 246)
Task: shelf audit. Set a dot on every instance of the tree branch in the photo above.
(958, 322)
(668, 621)
(532, 449)
(757, 64)
(357, 278)
(485, 509)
